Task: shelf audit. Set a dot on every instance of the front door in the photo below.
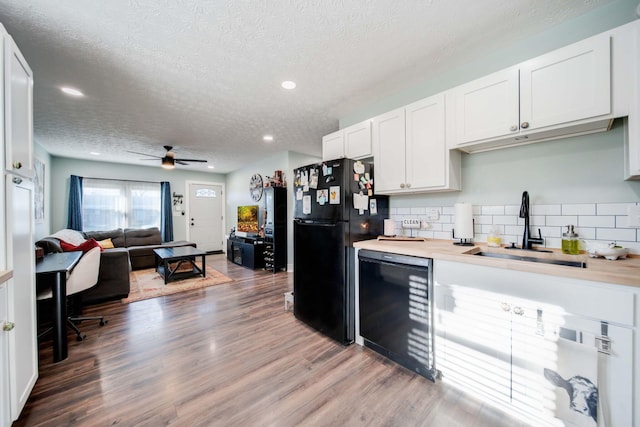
(205, 215)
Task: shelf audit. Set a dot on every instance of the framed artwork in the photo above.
(38, 191)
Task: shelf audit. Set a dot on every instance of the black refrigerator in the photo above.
(334, 206)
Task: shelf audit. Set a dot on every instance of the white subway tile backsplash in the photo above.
(561, 220)
(586, 233)
(616, 234)
(492, 210)
(483, 219)
(512, 210)
(579, 209)
(597, 221)
(594, 221)
(535, 220)
(546, 210)
(613, 208)
(505, 219)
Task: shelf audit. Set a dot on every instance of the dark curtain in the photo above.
(74, 221)
(166, 214)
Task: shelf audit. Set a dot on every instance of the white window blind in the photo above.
(110, 204)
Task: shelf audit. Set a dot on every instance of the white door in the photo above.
(205, 215)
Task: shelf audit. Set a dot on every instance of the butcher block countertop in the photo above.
(5, 275)
(620, 272)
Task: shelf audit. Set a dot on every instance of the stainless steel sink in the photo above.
(579, 264)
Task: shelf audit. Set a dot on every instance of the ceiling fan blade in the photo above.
(144, 154)
(190, 160)
(155, 160)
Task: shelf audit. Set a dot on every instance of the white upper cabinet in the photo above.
(357, 140)
(487, 107)
(632, 124)
(389, 151)
(333, 146)
(566, 85)
(563, 93)
(353, 142)
(410, 151)
(18, 112)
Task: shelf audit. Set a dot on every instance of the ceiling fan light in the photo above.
(168, 163)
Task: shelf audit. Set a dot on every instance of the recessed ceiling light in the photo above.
(71, 91)
(288, 84)
(267, 138)
(94, 153)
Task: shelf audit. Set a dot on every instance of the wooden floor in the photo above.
(229, 355)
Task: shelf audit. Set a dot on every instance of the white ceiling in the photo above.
(204, 76)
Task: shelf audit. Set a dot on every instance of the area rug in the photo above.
(148, 283)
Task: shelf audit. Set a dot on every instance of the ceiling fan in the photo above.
(169, 160)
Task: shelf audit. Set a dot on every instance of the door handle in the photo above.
(8, 326)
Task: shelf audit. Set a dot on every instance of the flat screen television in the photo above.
(247, 220)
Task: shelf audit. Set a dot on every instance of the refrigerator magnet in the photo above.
(326, 170)
(356, 177)
(306, 205)
(334, 195)
(313, 178)
(299, 194)
(304, 178)
(373, 206)
(322, 196)
(358, 167)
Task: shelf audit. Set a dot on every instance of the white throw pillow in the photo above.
(70, 236)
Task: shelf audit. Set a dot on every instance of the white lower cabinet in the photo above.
(516, 339)
(22, 340)
(5, 330)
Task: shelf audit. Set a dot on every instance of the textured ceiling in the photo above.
(204, 76)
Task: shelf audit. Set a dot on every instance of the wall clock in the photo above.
(256, 187)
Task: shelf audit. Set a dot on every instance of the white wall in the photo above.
(61, 168)
(44, 228)
(238, 187)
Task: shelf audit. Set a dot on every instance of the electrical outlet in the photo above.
(634, 216)
(433, 214)
(411, 223)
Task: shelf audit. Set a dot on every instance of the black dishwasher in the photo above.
(396, 310)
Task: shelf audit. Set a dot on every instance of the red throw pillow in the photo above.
(85, 246)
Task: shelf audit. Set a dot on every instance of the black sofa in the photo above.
(133, 250)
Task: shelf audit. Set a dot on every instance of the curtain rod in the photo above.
(127, 180)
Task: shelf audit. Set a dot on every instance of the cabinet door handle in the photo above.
(408, 185)
(505, 306)
(524, 125)
(17, 165)
(518, 311)
(402, 185)
(8, 326)
(17, 180)
(513, 128)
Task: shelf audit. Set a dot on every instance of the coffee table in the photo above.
(180, 256)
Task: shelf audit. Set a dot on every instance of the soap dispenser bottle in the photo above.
(570, 242)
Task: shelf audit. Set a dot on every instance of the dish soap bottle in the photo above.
(570, 242)
(493, 239)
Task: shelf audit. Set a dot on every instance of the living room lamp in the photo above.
(168, 163)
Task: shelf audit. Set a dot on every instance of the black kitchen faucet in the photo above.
(527, 240)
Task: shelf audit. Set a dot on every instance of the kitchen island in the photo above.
(501, 325)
